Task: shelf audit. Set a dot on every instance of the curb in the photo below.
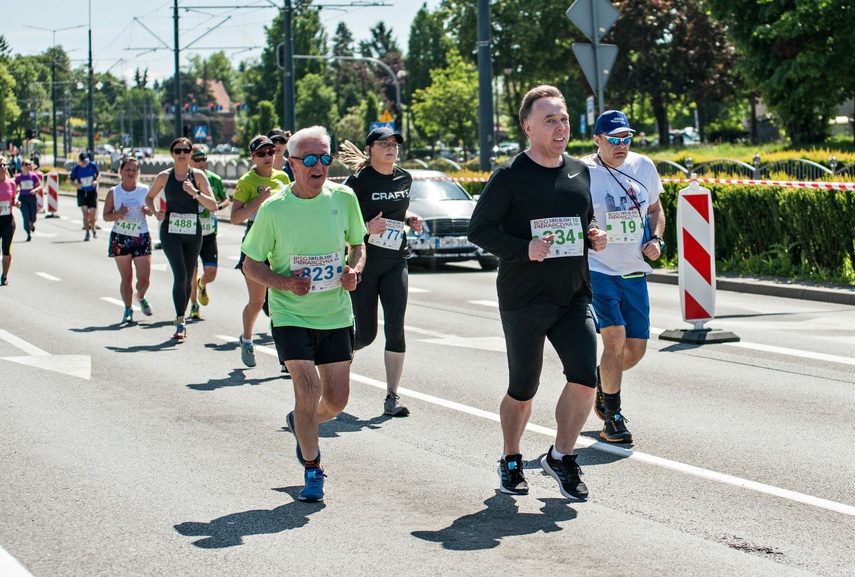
(786, 288)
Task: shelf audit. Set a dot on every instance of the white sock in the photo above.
(555, 454)
(243, 340)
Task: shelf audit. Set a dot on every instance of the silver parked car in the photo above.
(446, 208)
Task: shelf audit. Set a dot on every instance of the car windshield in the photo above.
(437, 190)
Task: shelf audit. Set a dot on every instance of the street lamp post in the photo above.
(90, 113)
(53, 78)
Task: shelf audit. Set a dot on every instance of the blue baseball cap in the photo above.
(612, 122)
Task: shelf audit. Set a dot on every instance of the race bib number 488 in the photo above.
(569, 238)
(324, 271)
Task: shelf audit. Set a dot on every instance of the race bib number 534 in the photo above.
(324, 271)
(569, 238)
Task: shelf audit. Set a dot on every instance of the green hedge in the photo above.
(790, 232)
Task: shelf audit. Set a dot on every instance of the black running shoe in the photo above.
(566, 472)
(599, 402)
(512, 479)
(614, 430)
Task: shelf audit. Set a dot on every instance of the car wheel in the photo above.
(489, 263)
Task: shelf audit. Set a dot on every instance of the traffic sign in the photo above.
(596, 71)
(593, 17)
(389, 124)
(386, 117)
(200, 132)
(589, 109)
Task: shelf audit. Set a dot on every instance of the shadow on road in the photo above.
(237, 378)
(229, 530)
(486, 529)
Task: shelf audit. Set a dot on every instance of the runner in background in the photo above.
(29, 184)
(208, 220)
(185, 188)
(8, 190)
(252, 189)
(84, 176)
(279, 138)
(130, 241)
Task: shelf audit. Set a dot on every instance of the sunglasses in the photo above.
(263, 153)
(199, 158)
(385, 144)
(182, 150)
(614, 140)
(311, 160)
(279, 141)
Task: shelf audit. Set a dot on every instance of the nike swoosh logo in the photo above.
(573, 175)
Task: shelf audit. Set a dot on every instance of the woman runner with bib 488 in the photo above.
(185, 188)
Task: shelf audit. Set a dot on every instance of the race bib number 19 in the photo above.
(624, 226)
(569, 238)
(391, 238)
(324, 271)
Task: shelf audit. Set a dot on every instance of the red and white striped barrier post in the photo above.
(696, 266)
(52, 194)
(696, 254)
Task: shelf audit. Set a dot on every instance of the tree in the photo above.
(670, 52)
(316, 103)
(531, 46)
(427, 49)
(382, 42)
(349, 77)
(448, 107)
(263, 120)
(798, 54)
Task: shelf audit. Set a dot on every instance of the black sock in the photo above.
(611, 403)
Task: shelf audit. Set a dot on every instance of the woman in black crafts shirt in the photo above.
(383, 190)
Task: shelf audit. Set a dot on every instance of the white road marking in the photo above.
(493, 304)
(629, 453)
(48, 276)
(117, 302)
(39, 233)
(74, 365)
(23, 345)
(10, 567)
(417, 290)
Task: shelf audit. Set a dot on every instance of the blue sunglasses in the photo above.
(615, 140)
(311, 160)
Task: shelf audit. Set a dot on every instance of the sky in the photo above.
(131, 35)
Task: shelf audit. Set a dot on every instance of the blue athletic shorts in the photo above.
(620, 301)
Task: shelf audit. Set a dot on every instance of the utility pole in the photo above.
(289, 115)
(179, 126)
(90, 113)
(485, 86)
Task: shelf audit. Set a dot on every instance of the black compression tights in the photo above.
(182, 252)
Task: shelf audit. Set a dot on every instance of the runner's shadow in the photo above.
(237, 378)
(113, 327)
(345, 423)
(592, 456)
(230, 530)
(486, 529)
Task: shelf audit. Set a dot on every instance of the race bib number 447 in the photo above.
(569, 238)
(324, 271)
(391, 238)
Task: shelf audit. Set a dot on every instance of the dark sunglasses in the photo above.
(311, 160)
(263, 153)
(182, 150)
(614, 140)
(279, 141)
(199, 158)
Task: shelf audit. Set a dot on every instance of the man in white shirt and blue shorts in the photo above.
(625, 189)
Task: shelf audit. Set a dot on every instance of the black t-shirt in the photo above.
(386, 193)
(519, 191)
(176, 199)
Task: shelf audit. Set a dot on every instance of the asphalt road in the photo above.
(125, 454)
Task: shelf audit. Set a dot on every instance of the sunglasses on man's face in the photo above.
(182, 150)
(199, 158)
(614, 140)
(263, 153)
(311, 160)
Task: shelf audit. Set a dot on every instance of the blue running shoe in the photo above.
(313, 492)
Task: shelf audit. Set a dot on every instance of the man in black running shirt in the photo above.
(536, 215)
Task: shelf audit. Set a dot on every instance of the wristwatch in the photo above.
(659, 238)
